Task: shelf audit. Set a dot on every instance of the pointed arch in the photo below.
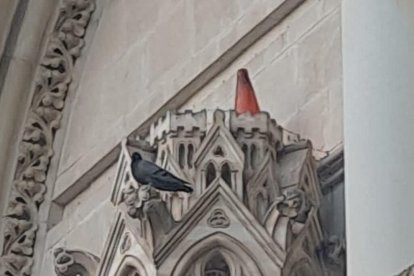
(211, 173)
(246, 157)
(254, 156)
(217, 241)
(131, 265)
(181, 156)
(226, 173)
(216, 264)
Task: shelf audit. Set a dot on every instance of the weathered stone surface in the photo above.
(86, 220)
(159, 62)
(296, 71)
(143, 52)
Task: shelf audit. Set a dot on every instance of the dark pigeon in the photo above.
(146, 172)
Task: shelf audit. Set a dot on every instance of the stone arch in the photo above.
(211, 173)
(254, 156)
(218, 261)
(131, 266)
(181, 155)
(245, 149)
(225, 173)
(217, 241)
(190, 155)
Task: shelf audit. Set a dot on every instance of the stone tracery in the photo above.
(255, 194)
(276, 185)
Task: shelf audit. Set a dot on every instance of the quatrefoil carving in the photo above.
(218, 219)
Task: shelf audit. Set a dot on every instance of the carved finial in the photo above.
(245, 97)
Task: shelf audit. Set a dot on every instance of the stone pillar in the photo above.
(378, 60)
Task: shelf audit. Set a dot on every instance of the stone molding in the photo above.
(43, 119)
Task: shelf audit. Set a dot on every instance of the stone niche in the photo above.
(253, 210)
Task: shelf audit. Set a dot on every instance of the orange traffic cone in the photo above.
(245, 97)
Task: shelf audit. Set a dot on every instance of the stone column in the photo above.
(378, 59)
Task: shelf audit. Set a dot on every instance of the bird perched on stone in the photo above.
(146, 172)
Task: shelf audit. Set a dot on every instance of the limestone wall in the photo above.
(85, 223)
(296, 72)
(141, 53)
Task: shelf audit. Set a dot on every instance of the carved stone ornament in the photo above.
(43, 120)
(134, 198)
(218, 219)
(294, 204)
(71, 262)
(126, 243)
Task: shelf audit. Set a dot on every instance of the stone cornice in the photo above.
(54, 76)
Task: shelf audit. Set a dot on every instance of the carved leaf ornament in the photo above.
(43, 120)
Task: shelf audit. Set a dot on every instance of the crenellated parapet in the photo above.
(256, 193)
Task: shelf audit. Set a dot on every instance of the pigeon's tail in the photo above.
(186, 189)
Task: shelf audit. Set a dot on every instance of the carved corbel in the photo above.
(74, 262)
(295, 205)
(145, 203)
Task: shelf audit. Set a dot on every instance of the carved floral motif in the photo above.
(218, 219)
(43, 120)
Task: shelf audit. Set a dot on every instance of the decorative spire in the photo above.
(245, 97)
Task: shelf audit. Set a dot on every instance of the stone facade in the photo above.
(256, 193)
(134, 67)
